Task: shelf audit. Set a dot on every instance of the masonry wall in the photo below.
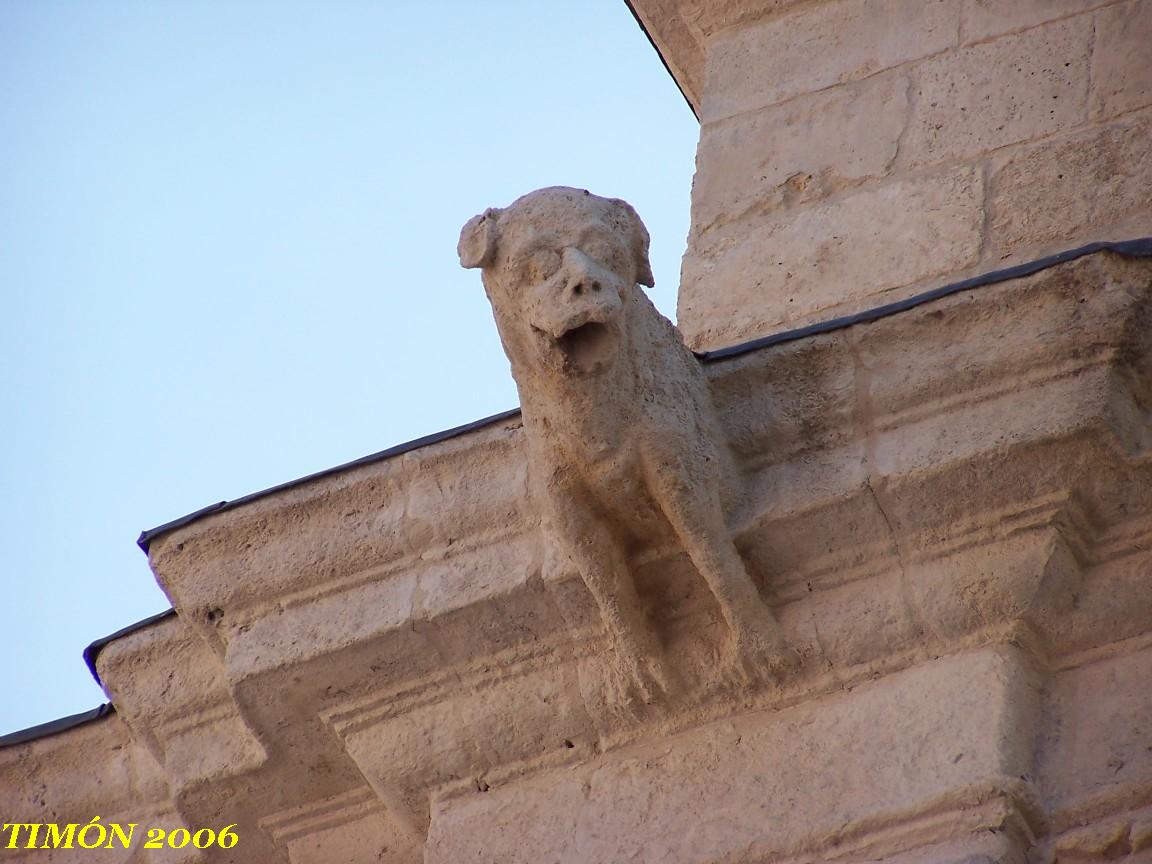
(854, 152)
(948, 509)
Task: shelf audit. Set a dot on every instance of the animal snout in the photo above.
(582, 275)
(581, 292)
(581, 283)
(585, 296)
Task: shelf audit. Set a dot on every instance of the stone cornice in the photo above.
(680, 29)
(392, 622)
(971, 474)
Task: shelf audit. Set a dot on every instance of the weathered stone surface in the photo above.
(366, 840)
(983, 19)
(973, 472)
(806, 149)
(819, 392)
(766, 274)
(948, 511)
(885, 583)
(1102, 842)
(113, 773)
(345, 829)
(1018, 75)
(173, 694)
(172, 690)
(1098, 760)
(1122, 59)
(96, 769)
(409, 743)
(819, 45)
(768, 785)
(1000, 837)
(1140, 836)
(1074, 187)
(433, 500)
(712, 16)
(1017, 88)
(623, 441)
(679, 41)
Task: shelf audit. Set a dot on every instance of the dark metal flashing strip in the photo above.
(146, 537)
(663, 61)
(93, 650)
(1139, 248)
(55, 727)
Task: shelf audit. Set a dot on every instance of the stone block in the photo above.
(808, 389)
(760, 275)
(1122, 59)
(494, 718)
(712, 16)
(984, 19)
(95, 769)
(1098, 760)
(1029, 577)
(937, 438)
(375, 518)
(348, 831)
(1073, 187)
(1141, 834)
(1115, 605)
(878, 621)
(170, 691)
(990, 843)
(90, 768)
(483, 600)
(805, 149)
(908, 386)
(679, 44)
(1017, 88)
(1101, 842)
(819, 45)
(827, 771)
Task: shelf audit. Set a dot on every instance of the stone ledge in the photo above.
(681, 29)
(774, 785)
(857, 451)
(974, 472)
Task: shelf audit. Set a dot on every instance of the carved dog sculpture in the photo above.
(622, 435)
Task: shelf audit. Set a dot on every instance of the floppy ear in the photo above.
(477, 244)
(637, 241)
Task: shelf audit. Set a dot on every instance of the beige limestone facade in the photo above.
(944, 508)
(855, 152)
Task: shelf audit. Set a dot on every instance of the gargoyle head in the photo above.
(559, 266)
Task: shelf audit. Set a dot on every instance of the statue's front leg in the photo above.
(692, 507)
(637, 657)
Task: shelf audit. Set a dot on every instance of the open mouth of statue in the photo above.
(587, 346)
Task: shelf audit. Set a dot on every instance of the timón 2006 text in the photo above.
(96, 835)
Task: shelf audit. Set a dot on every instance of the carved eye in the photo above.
(604, 253)
(543, 264)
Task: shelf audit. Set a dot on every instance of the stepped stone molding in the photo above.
(947, 508)
(945, 505)
(830, 772)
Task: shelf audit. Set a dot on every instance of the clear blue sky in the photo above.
(227, 258)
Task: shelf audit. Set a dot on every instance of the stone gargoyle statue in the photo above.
(622, 434)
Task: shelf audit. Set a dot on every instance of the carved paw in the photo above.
(759, 656)
(639, 679)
